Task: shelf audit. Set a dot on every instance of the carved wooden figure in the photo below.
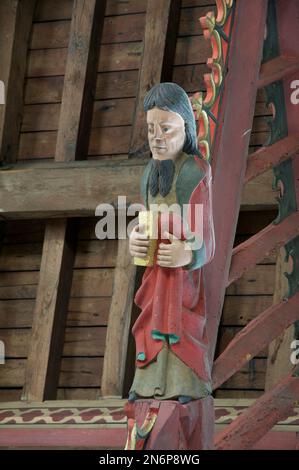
(171, 344)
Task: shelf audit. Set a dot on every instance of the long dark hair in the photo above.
(171, 97)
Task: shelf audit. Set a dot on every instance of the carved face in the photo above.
(166, 133)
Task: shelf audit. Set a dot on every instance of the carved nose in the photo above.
(158, 133)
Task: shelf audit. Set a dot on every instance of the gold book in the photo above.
(149, 219)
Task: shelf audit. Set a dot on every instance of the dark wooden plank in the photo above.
(240, 310)
(41, 377)
(259, 194)
(236, 113)
(257, 281)
(119, 323)
(80, 80)
(225, 393)
(15, 25)
(249, 377)
(82, 311)
(74, 372)
(116, 57)
(227, 334)
(45, 117)
(110, 85)
(248, 428)
(53, 10)
(254, 337)
(246, 255)
(89, 254)
(86, 283)
(81, 372)
(103, 141)
(62, 9)
(162, 21)
(55, 34)
(189, 24)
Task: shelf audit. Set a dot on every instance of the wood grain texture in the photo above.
(119, 322)
(79, 81)
(162, 21)
(269, 156)
(15, 26)
(74, 189)
(247, 429)
(54, 287)
(278, 68)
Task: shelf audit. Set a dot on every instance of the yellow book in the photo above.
(149, 219)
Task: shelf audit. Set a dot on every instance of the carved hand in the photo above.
(175, 254)
(139, 242)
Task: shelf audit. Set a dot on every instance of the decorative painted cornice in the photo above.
(217, 29)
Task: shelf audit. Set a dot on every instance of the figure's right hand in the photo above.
(139, 242)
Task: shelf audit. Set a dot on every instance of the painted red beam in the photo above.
(229, 161)
(277, 69)
(254, 337)
(267, 157)
(278, 440)
(247, 254)
(68, 437)
(287, 24)
(246, 430)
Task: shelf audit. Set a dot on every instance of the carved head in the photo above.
(171, 122)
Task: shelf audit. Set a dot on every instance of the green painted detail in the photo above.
(271, 43)
(141, 356)
(292, 249)
(171, 337)
(277, 124)
(283, 173)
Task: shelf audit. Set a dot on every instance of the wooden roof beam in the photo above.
(247, 254)
(15, 26)
(267, 157)
(76, 188)
(254, 337)
(119, 321)
(229, 164)
(277, 69)
(43, 362)
(46, 345)
(248, 428)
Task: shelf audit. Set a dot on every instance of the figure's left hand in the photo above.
(174, 254)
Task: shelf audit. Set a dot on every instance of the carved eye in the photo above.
(166, 129)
